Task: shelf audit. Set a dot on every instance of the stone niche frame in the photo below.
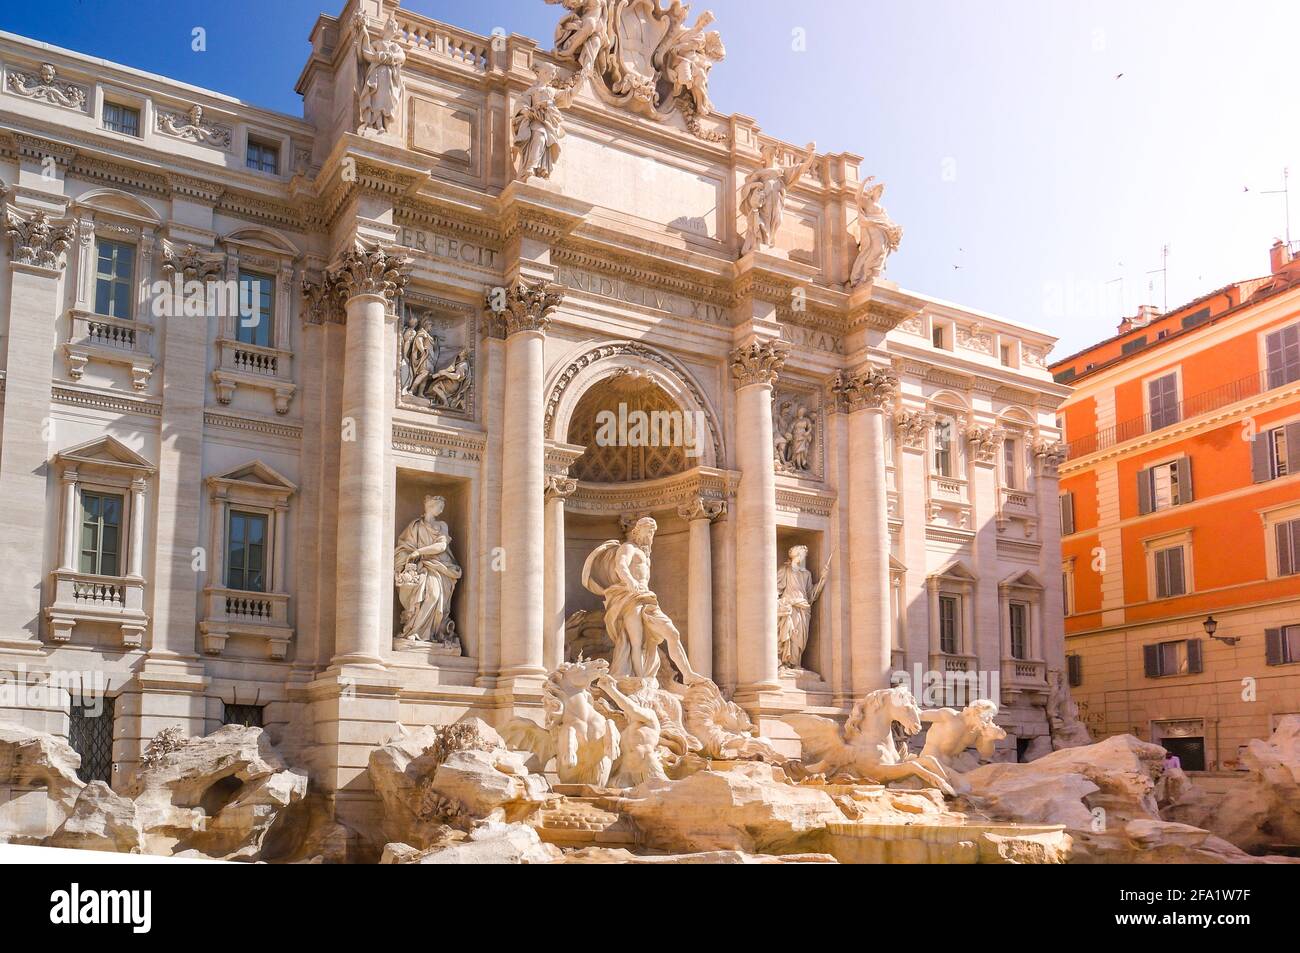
(235, 613)
(812, 396)
(447, 313)
(410, 486)
(589, 363)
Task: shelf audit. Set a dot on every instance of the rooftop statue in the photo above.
(878, 236)
(381, 93)
(538, 125)
(762, 198)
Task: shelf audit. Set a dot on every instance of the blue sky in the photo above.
(1032, 179)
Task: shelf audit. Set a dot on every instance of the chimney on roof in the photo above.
(1145, 315)
(1279, 256)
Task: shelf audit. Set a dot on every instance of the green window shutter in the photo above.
(1182, 480)
(1144, 492)
(1195, 663)
(1285, 562)
(1067, 514)
(1261, 452)
(1075, 667)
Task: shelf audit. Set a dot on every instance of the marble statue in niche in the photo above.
(762, 198)
(619, 572)
(878, 236)
(423, 376)
(381, 92)
(793, 435)
(538, 125)
(426, 577)
(796, 594)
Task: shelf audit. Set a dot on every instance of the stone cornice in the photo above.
(683, 489)
(438, 441)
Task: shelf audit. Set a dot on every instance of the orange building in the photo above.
(1181, 504)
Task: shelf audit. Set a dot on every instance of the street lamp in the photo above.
(1211, 626)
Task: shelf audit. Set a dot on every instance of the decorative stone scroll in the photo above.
(370, 270)
(759, 362)
(871, 389)
(912, 427)
(44, 86)
(37, 240)
(524, 306)
(190, 126)
(985, 442)
(702, 509)
(559, 488)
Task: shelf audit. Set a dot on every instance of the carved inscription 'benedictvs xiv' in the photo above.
(639, 295)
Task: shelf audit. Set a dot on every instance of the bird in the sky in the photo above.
(1119, 75)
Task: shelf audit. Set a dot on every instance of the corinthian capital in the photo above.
(912, 426)
(524, 305)
(870, 389)
(37, 240)
(370, 270)
(985, 443)
(1050, 454)
(322, 300)
(190, 264)
(758, 362)
(559, 487)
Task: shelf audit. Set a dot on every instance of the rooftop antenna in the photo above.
(1285, 192)
(1120, 282)
(1163, 272)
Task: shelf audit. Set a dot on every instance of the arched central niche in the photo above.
(648, 427)
(604, 376)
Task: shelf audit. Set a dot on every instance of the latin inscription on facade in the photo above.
(655, 299)
(448, 248)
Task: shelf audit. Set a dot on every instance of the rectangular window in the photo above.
(1067, 583)
(1166, 485)
(1287, 537)
(1010, 464)
(256, 307)
(90, 734)
(114, 277)
(936, 335)
(943, 448)
(1172, 658)
(949, 610)
(1162, 401)
(1005, 353)
(123, 119)
(101, 533)
(246, 552)
(1019, 624)
(1170, 578)
(262, 157)
(1282, 350)
(1282, 646)
(249, 716)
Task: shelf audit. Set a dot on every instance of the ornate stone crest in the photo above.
(643, 56)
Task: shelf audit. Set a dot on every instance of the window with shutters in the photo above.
(1170, 577)
(949, 624)
(1074, 669)
(1018, 623)
(1067, 513)
(1162, 401)
(1282, 353)
(1275, 453)
(1163, 659)
(1165, 485)
(1282, 645)
(943, 448)
(90, 734)
(1286, 539)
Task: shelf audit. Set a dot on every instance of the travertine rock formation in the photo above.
(40, 772)
(216, 796)
(452, 775)
(491, 843)
(100, 820)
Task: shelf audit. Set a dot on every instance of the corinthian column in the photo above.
(558, 489)
(699, 515)
(754, 368)
(525, 308)
(864, 394)
(368, 279)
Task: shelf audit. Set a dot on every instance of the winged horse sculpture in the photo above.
(865, 749)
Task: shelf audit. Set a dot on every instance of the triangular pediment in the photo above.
(105, 451)
(1022, 580)
(257, 473)
(956, 570)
